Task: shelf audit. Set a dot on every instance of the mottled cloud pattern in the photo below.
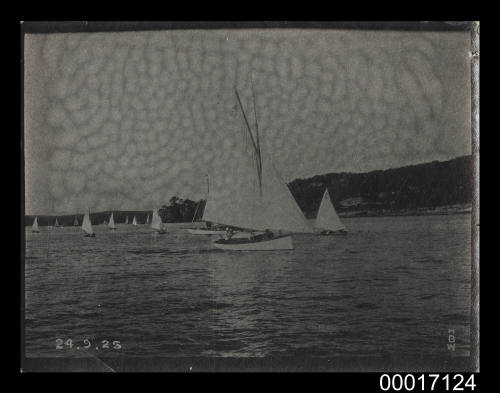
(126, 120)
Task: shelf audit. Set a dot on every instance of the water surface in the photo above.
(393, 285)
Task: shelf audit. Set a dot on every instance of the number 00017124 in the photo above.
(427, 382)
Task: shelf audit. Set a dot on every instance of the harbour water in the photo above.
(393, 285)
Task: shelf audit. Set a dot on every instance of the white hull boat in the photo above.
(205, 232)
(245, 235)
(259, 201)
(240, 244)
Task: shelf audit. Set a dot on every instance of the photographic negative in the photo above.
(219, 197)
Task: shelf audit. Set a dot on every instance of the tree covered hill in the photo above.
(416, 186)
(427, 185)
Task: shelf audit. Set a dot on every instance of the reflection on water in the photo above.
(394, 285)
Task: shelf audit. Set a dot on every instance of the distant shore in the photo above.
(422, 211)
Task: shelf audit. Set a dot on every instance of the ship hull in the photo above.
(205, 232)
(241, 244)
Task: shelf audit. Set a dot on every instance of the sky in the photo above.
(126, 120)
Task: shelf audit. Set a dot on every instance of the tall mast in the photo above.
(254, 144)
(255, 115)
(257, 132)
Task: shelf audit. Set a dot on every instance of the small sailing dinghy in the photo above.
(126, 219)
(111, 224)
(327, 221)
(56, 224)
(75, 222)
(134, 222)
(34, 227)
(261, 201)
(147, 220)
(87, 225)
(157, 224)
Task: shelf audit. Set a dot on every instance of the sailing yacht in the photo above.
(87, 225)
(126, 219)
(157, 224)
(56, 224)
(75, 222)
(111, 224)
(147, 220)
(261, 204)
(134, 222)
(210, 229)
(34, 227)
(327, 221)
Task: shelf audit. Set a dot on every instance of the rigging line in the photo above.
(196, 211)
(246, 120)
(256, 150)
(255, 115)
(256, 126)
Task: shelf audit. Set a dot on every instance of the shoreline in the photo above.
(353, 214)
(439, 211)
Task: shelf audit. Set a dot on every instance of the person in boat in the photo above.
(229, 233)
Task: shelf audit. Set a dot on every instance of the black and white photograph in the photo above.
(203, 197)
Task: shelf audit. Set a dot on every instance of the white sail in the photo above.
(56, 224)
(250, 206)
(258, 198)
(75, 222)
(34, 227)
(134, 221)
(156, 221)
(147, 220)
(111, 224)
(87, 225)
(126, 219)
(327, 218)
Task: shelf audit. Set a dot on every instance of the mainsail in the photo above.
(147, 220)
(126, 219)
(56, 224)
(34, 227)
(259, 199)
(327, 217)
(75, 222)
(87, 225)
(156, 221)
(111, 224)
(134, 221)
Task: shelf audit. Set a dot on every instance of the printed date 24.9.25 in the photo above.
(87, 344)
